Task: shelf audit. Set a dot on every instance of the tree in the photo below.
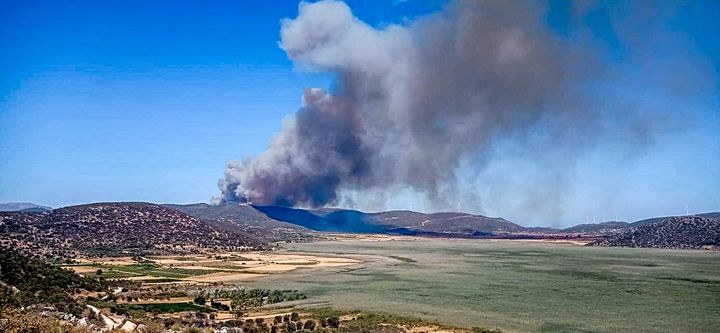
(200, 299)
(99, 272)
(294, 316)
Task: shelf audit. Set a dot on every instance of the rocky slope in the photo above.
(680, 232)
(115, 228)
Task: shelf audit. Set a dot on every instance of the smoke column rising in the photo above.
(415, 103)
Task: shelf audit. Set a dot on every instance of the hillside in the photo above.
(247, 219)
(400, 222)
(680, 232)
(22, 207)
(114, 228)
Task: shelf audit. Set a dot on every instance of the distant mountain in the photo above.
(324, 220)
(680, 232)
(247, 219)
(603, 228)
(22, 207)
(401, 222)
(115, 228)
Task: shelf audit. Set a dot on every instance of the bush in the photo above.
(333, 322)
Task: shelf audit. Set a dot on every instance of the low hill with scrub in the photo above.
(681, 232)
(113, 229)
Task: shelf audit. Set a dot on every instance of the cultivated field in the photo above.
(516, 286)
(204, 269)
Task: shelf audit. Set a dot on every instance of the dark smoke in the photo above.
(415, 103)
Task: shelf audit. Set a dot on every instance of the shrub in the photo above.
(309, 325)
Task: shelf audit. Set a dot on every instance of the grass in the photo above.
(160, 280)
(520, 286)
(154, 270)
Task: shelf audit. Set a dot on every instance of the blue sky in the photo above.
(147, 100)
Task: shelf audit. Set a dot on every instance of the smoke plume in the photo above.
(424, 104)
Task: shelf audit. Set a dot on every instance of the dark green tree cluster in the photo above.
(25, 281)
(250, 298)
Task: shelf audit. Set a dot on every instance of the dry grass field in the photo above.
(226, 268)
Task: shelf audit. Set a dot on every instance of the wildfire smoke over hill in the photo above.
(415, 103)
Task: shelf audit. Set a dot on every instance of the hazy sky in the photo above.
(148, 100)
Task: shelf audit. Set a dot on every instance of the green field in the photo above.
(519, 286)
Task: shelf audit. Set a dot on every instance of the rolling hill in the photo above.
(115, 228)
(246, 219)
(679, 232)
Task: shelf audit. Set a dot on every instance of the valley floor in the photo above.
(515, 286)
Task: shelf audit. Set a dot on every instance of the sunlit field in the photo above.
(517, 286)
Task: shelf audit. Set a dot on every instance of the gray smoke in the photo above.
(413, 104)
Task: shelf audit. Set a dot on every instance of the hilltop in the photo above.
(680, 232)
(114, 228)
